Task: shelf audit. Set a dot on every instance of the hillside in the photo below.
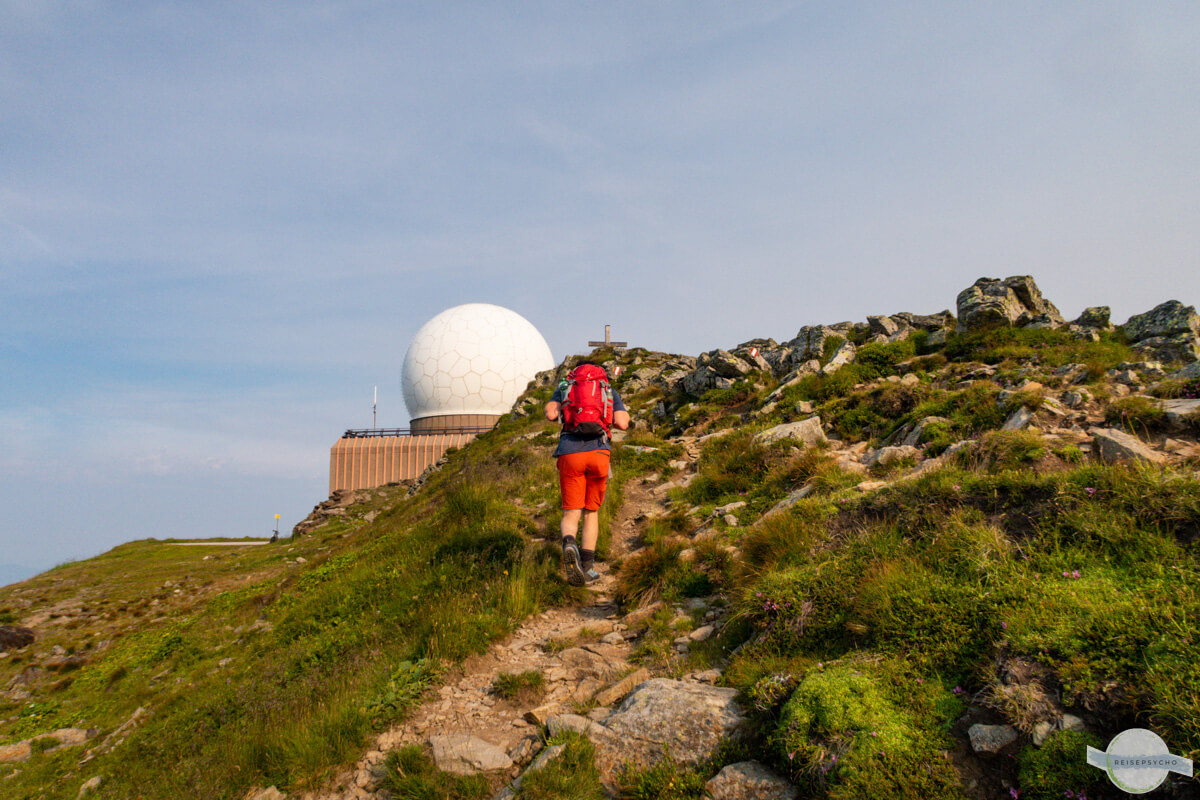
(917, 556)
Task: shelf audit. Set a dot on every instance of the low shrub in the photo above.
(1136, 414)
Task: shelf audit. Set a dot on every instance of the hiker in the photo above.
(589, 408)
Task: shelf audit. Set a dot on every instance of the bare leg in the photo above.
(591, 529)
(570, 522)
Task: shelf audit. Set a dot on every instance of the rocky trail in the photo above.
(583, 655)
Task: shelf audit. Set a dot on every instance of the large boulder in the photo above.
(810, 343)
(724, 364)
(806, 431)
(1170, 332)
(1013, 302)
(687, 720)
(928, 322)
(1114, 446)
(1095, 317)
(463, 754)
(702, 379)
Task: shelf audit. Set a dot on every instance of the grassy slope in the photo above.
(901, 608)
(259, 670)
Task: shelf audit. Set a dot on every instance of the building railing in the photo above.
(367, 433)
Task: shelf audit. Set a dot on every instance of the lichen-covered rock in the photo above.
(1179, 412)
(749, 780)
(883, 326)
(702, 379)
(1095, 317)
(1165, 319)
(463, 754)
(929, 322)
(1170, 331)
(1013, 302)
(991, 739)
(724, 364)
(810, 342)
(807, 431)
(688, 719)
(845, 354)
(1113, 446)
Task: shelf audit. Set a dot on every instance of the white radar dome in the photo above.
(472, 359)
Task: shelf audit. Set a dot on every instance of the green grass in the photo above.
(411, 775)
(1089, 572)
(524, 687)
(316, 656)
(572, 775)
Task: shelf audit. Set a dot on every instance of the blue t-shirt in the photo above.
(572, 443)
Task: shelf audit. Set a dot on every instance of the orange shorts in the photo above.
(582, 478)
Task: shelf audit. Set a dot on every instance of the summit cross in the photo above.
(608, 342)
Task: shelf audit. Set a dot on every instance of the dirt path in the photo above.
(580, 651)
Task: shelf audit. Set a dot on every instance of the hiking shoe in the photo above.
(590, 576)
(574, 570)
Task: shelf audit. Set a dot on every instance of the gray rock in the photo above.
(749, 780)
(1096, 317)
(90, 785)
(914, 437)
(463, 754)
(1178, 411)
(1041, 731)
(807, 431)
(991, 739)
(1187, 373)
(883, 326)
(793, 497)
(728, 508)
(1115, 446)
(755, 360)
(702, 379)
(1013, 302)
(887, 455)
(810, 343)
(1070, 722)
(1169, 331)
(929, 322)
(702, 633)
(1018, 420)
(1075, 398)
(845, 354)
(724, 364)
(689, 719)
(1165, 319)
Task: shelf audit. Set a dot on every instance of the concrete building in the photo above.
(464, 369)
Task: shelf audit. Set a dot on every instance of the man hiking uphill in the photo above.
(589, 409)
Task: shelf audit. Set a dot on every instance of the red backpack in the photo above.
(587, 408)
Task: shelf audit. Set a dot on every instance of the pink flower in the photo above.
(1004, 625)
(1075, 574)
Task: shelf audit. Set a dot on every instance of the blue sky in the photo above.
(221, 223)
